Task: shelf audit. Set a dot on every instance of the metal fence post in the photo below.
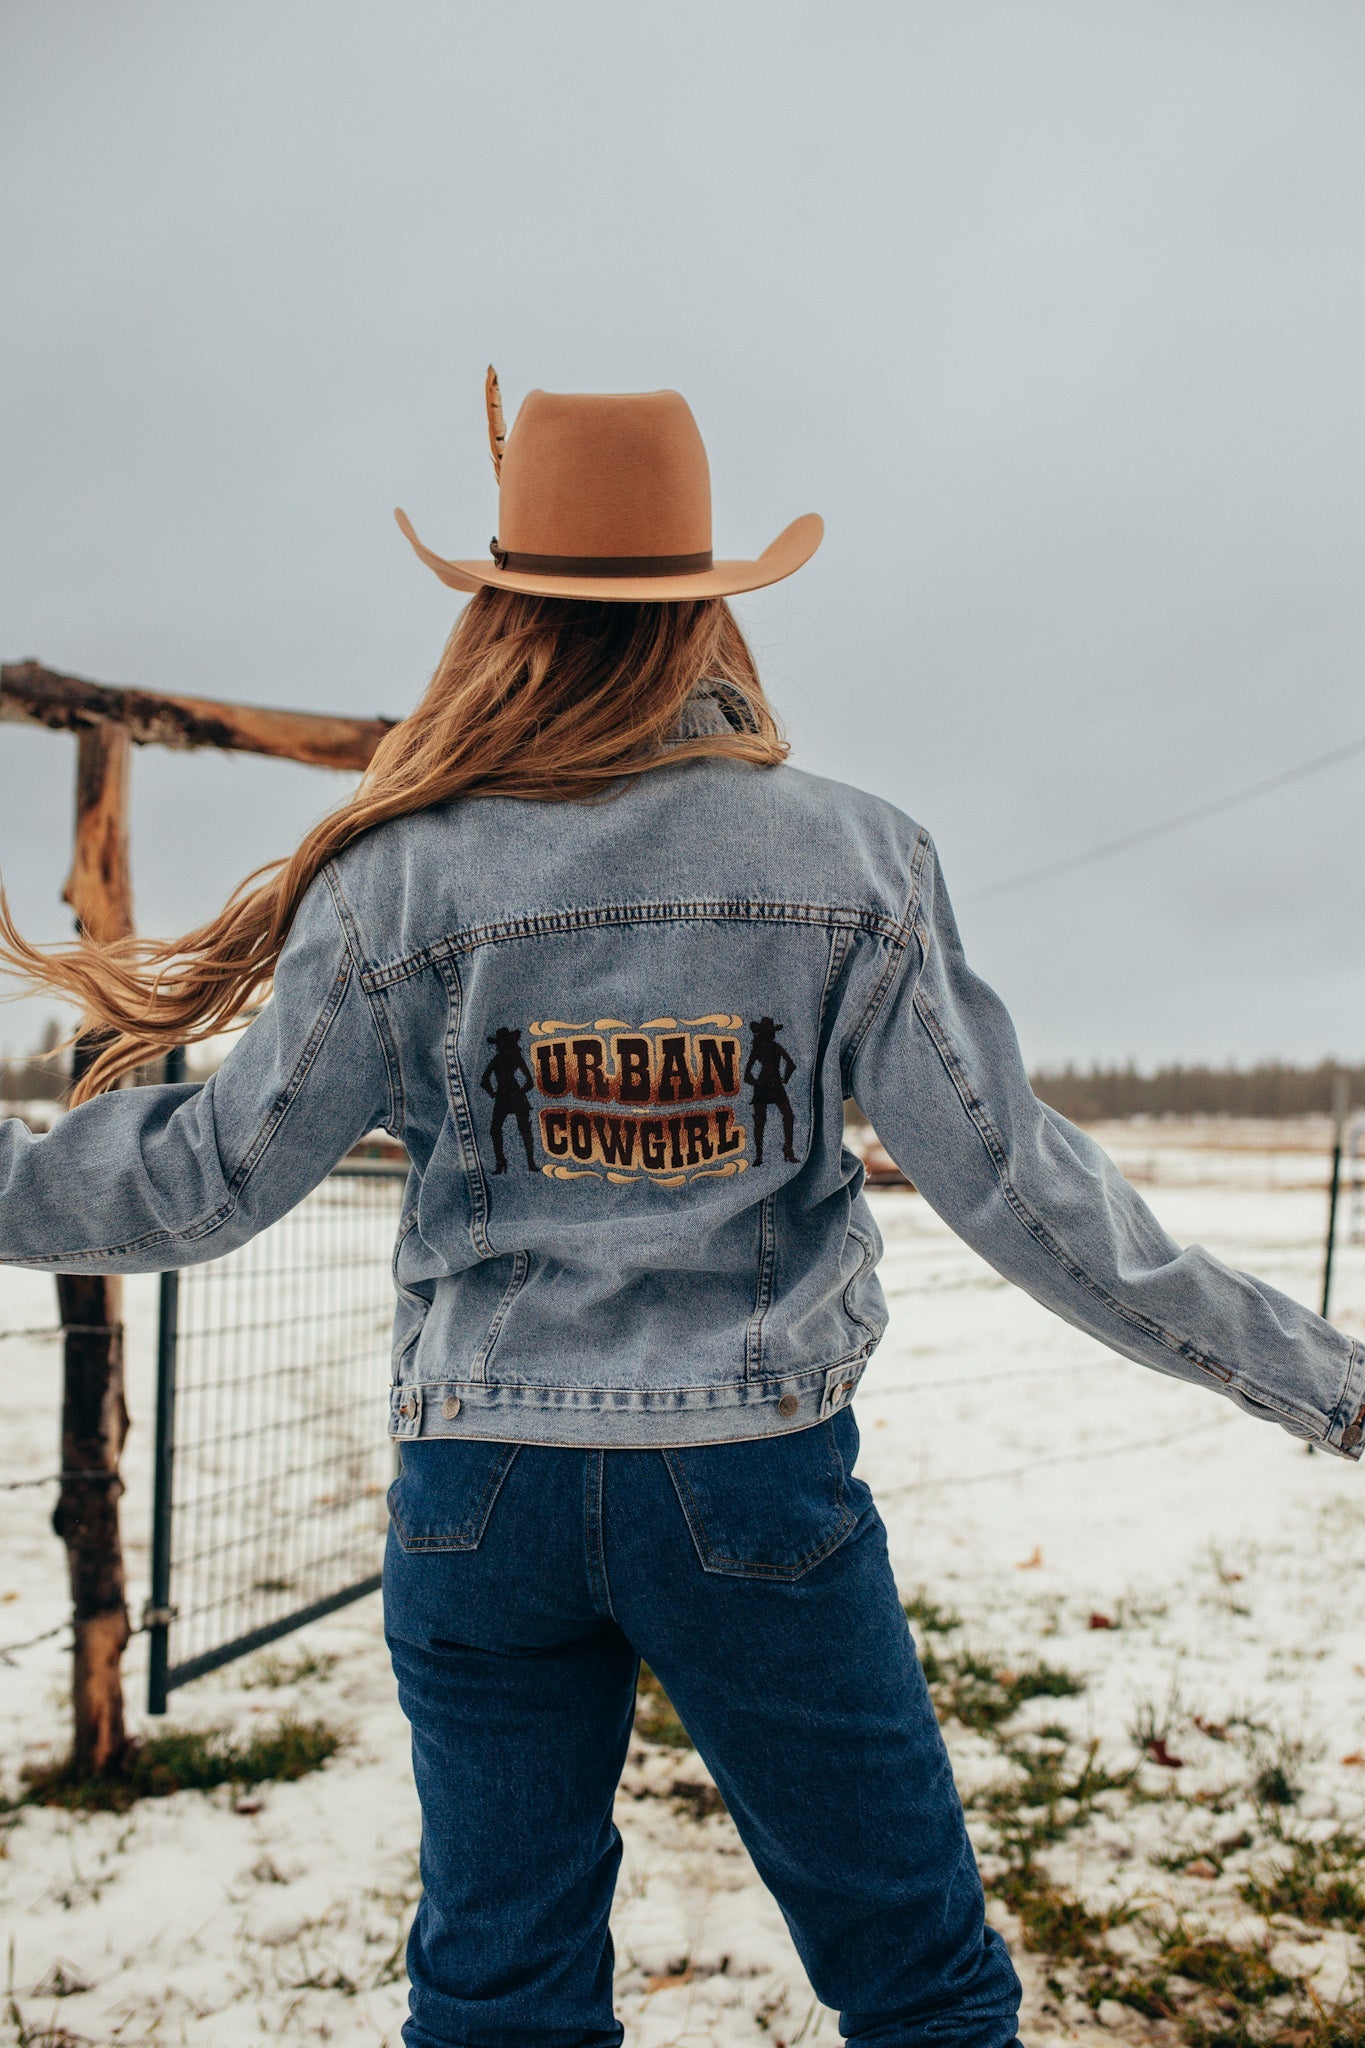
(159, 1612)
(1339, 1102)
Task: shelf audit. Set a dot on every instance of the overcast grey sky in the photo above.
(1054, 311)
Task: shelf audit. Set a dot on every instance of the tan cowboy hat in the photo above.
(607, 495)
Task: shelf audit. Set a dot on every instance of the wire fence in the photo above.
(272, 1460)
(271, 1464)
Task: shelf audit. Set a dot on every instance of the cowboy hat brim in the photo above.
(793, 546)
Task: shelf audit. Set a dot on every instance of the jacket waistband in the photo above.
(624, 1418)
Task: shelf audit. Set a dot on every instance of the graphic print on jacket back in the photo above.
(659, 1101)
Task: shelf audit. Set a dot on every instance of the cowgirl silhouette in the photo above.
(770, 1067)
(507, 1078)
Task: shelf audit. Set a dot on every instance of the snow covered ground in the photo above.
(1030, 1482)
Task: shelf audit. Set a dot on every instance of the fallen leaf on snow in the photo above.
(669, 1979)
(1100, 1621)
(1356, 1757)
(1159, 1754)
(1030, 1564)
(1201, 1867)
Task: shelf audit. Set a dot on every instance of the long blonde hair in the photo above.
(548, 698)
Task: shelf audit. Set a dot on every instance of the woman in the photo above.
(579, 894)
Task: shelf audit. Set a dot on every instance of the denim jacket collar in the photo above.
(715, 706)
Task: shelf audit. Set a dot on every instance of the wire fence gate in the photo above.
(272, 1462)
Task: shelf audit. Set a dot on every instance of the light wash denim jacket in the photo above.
(616, 1039)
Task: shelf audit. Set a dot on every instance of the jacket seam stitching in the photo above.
(796, 1377)
(521, 1269)
(379, 1020)
(908, 927)
(462, 1113)
(553, 924)
(767, 1261)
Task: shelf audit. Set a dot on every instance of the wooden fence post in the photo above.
(107, 722)
(94, 1417)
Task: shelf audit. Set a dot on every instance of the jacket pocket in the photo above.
(856, 1290)
(444, 1493)
(771, 1507)
(414, 1303)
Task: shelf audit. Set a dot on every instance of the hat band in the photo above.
(601, 565)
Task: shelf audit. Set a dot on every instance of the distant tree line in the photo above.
(1270, 1089)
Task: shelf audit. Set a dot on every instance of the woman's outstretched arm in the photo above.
(148, 1178)
(940, 1074)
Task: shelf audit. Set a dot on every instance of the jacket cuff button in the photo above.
(407, 1408)
(450, 1407)
(788, 1405)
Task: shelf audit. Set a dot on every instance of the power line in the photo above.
(1146, 833)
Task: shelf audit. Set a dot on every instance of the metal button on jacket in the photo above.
(450, 1407)
(788, 1405)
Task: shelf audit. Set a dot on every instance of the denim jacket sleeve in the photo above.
(143, 1179)
(939, 1072)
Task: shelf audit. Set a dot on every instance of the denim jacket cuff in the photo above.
(1346, 1434)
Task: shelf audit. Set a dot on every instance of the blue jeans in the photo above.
(523, 1584)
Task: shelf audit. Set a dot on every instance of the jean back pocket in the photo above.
(444, 1494)
(770, 1507)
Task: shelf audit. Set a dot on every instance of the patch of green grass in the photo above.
(655, 1717)
(927, 1613)
(1205, 1989)
(1051, 1790)
(1154, 1725)
(1274, 1785)
(982, 1692)
(1322, 1884)
(1052, 1920)
(275, 1670)
(1203, 1982)
(1233, 1970)
(1302, 2021)
(187, 1760)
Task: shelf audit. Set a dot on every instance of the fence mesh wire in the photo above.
(274, 1449)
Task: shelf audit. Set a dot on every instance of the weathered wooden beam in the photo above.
(99, 887)
(33, 695)
(94, 1413)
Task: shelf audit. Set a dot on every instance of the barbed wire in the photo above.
(100, 1472)
(983, 1379)
(1148, 1443)
(44, 1330)
(8, 1650)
